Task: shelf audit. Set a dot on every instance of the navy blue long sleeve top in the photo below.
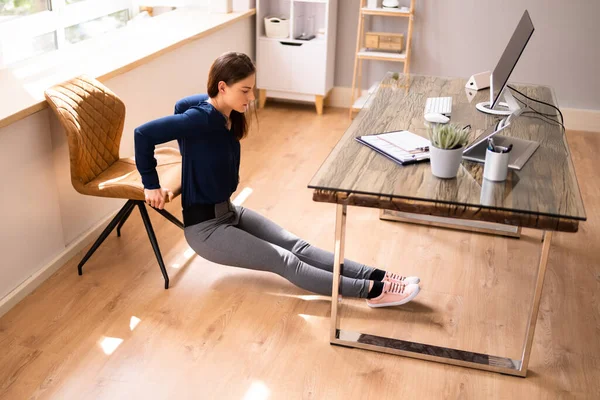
(210, 152)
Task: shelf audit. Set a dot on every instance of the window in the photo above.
(32, 27)
(97, 26)
(15, 8)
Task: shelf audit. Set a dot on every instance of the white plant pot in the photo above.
(445, 163)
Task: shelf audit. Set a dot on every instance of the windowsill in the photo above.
(22, 85)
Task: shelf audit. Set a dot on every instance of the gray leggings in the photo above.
(240, 237)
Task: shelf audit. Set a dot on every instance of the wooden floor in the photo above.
(226, 333)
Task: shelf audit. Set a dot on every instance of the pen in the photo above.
(491, 146)
(508, 149)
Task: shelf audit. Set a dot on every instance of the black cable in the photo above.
(545, 118)
(542, 117)
(537, 101)
(540, 101)
(536, 111)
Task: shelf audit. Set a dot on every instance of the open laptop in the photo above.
(520, 153)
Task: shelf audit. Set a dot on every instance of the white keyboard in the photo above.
(439, 105)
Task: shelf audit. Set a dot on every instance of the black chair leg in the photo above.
(127, 214)
(105, 234)
(170, 217)
(141, 205)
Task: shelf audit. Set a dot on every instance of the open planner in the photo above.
(403, 147)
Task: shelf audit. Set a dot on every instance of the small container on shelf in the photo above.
(307, 27)
(384, 40)
(390, 4)
(277, 27)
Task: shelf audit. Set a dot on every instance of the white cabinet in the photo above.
(293, 68)
(285, 66)
(309, 69)
(274, 65)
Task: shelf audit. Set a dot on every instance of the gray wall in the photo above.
(462, 37)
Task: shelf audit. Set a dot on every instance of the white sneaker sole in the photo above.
(397, 303)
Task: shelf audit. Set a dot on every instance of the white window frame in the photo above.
(62, 16)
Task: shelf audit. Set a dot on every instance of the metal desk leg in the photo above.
(428, 352)
(535, 306)
(490, 228)
(338, 265)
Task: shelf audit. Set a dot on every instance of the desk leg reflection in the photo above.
(424, 351)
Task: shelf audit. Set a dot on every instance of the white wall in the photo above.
(41, 213)
(462, 37)
(32, 232)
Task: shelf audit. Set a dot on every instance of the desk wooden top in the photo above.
(543, 195)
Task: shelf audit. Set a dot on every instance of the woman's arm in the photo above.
(184, 104)
(162, 130)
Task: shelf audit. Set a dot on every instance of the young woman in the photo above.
(208, 130)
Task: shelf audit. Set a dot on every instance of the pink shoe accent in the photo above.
(394, 294)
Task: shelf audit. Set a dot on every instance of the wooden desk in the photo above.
(543, 195)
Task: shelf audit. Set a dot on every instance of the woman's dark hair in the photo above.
(230, 68)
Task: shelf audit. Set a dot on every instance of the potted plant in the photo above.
(445, 152)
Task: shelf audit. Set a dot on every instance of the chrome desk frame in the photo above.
(423, 351)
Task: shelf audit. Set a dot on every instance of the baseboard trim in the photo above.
(575, 119)
(35, 280)
(581, 120)
(339, 97)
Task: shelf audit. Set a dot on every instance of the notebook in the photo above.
(403, 147)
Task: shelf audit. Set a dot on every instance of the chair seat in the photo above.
(122, 180)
